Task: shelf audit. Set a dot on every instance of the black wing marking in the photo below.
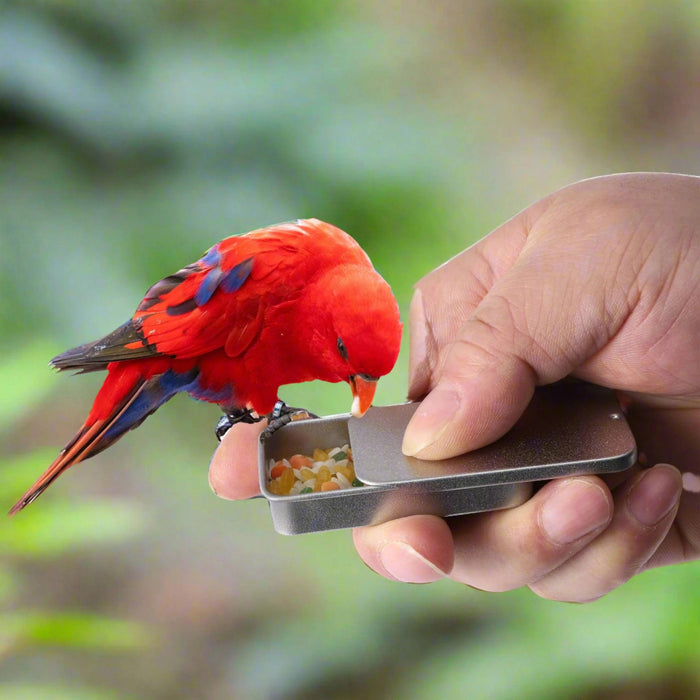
(91, 357)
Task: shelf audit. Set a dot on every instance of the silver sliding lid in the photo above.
(568, 428)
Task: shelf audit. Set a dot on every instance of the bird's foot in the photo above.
(230, 418)
(282, 415)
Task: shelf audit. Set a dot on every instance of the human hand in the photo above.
(599, 281)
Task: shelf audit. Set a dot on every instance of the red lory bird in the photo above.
(280, 305)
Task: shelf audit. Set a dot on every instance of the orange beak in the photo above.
(363, 388)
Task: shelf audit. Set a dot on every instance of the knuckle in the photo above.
(483, 343)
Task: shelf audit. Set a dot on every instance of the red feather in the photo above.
(257, 311)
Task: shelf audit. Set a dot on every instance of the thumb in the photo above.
(484, 386)
(536, 321)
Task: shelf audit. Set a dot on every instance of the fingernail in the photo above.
(691, 482)
(405, 564)
(430, 420)
(655, 494)
(574, 510)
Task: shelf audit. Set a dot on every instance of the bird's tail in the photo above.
(127, 397)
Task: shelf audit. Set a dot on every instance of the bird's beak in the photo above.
(363, 388)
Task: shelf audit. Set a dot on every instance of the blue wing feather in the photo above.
(153, 394)
(236, 276)
(228, 281)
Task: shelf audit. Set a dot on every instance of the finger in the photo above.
(494, 551)
(507, 549)
(448, 295)
(415, 549)
(644, 512)
(538, 322)
(233, 470)
(462, 349)
(682, 543)
(479, 397)
(672, 435)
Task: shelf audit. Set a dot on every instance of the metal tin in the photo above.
(568, 428)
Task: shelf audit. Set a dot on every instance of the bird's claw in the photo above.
(283, 414)
(280, 416)
(230, 418)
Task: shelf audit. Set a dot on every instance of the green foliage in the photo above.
(82, 524)
(35, 691)
(23, 386)
(88, 524)
(70, 630)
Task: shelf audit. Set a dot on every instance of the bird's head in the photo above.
(356, 330)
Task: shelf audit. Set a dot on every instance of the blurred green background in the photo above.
(134, 135)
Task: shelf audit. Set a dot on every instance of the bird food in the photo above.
(325, 470)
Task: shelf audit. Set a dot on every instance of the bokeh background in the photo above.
(133, 135)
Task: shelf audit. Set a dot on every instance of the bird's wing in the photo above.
(220, 300)
(217, 302)
(193, 311)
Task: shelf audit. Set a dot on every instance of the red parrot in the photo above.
(280, 305)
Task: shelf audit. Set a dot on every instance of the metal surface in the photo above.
(365, 505)
(567, 429)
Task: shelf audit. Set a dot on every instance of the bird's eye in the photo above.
(342, 350)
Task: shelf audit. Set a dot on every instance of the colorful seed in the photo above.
(320, 455)
(323, 474)
(287, 480)
(326, 470)
(299, 461)
(277, 470)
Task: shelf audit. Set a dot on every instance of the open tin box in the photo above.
(568, 428)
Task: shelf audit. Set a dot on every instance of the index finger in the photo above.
(233, 471)
(450, 294)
